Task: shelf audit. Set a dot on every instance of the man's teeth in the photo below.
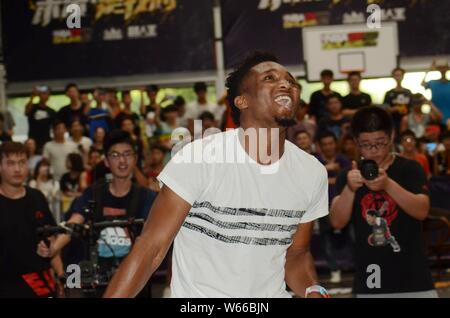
(284, 101)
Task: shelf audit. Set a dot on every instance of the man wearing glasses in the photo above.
(120, 199)
(392, 205)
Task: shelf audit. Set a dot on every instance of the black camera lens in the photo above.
(369, 169)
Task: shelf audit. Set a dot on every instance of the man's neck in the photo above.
(271, 138)
(120, 187)
(409, 154)
(75, 104)
(157, 166)
(399, 87)
(202, 101)
(326, 89)
(355, 91)
(59, 140)
(387, 161)
(337, 116)
(329, 158)
(12, 192)
(77, 138)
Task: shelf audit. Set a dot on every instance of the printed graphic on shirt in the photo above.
(380, 210)
(244, 225)
(42, 284)
(114, 242)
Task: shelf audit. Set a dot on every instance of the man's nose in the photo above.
(284, 83)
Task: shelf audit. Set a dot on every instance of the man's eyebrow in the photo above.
(270, 70)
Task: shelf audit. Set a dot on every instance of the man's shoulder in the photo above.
(407, 165)
(64, 109)
(34, 194)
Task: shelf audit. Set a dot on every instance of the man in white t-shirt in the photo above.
(201, 105)
(241, 217)
(57, 150)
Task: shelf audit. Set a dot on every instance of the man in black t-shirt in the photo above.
(398, 99)
(40, 117)
(355, 99)
(318, 102)
(386, 213)
(75, 110)
(23, 274)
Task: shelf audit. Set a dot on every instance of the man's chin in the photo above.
(285, 122)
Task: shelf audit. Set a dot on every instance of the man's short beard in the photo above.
(285, 122)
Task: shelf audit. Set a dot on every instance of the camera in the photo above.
(369, 169)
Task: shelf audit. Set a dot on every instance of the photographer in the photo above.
(120, 199)
(386, 199)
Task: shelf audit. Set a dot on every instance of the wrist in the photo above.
(349, 188)
(389, 185)
(316, 289)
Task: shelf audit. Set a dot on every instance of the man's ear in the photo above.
(106, 162)
(240, 102)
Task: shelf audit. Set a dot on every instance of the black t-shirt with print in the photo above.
(386, 236)
(40, 120)
(23, 273)
(67, 183)
(352, 101)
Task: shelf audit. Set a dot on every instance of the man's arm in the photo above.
(62, 240)
(29, 104)
(415, 205)
(166, 217)
(299, 268)
(342, 204)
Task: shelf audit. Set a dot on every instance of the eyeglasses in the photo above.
(376, 146)
(127, 155)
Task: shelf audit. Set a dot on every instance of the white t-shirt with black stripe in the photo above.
(233, 242)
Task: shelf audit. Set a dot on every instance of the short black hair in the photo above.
(93, 150)
(58, 122)
(371, 119)
(115, 137)
(236, 78)
(206, 115)
(76, 162)
(325, 73)
(354, 73)
(200, 87)
(302, 132)
(334, 95)
(398, 69)
(70, 85)
(179, 101)
(326, 134)
(408, 133)
(153, 88)
(126, 92)
(159, 147)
